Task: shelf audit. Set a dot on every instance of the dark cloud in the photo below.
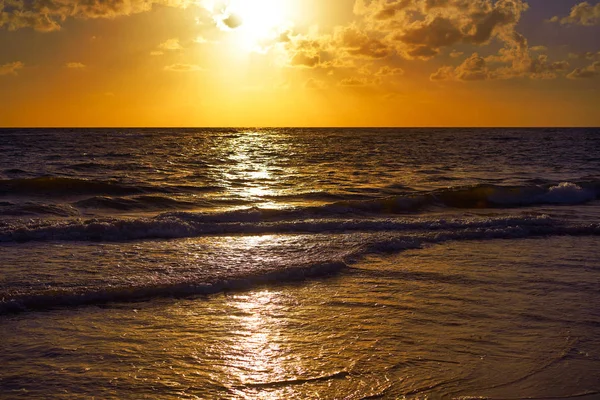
(48, 15)
(302, 59)
(358, 43)
(233, 21)
(421, 28)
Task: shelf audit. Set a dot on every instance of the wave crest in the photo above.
(65, 297)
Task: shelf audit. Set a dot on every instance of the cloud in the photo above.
(421, 28)
(75, 65)
(591, 71)
(539, 49)
(48, 15)
(222, 13)
(589, 55)
(171, 45)
(304, 51)
(301, 59)
(414, 29)
(389, 71)
(231, 21)
(11, 68)
(182, 68)
(354, 82)
(474, 68)
(541, 68)
(354, 42)
(315, 84)
(477, 68)
(445, 73)
(581, 14)
(487, 20)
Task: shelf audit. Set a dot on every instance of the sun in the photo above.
(259, 23)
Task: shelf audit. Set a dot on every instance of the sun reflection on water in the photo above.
(255, 357)
(250, 173)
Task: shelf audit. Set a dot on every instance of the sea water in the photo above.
(299, 263)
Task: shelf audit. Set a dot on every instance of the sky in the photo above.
(394, 63)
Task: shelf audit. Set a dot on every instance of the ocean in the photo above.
(299, 263)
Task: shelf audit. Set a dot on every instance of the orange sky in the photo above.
(299, 63)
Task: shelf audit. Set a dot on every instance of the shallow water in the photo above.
(498, 319)
(299, 264)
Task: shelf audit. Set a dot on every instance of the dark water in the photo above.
(300, 263)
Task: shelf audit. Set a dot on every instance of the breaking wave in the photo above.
(107, 195)
(398, 236)
(183, 225)
(482, 196)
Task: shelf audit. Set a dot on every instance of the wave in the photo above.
(145, 202)
(183, 225)
(274, 273)
(106, 195)
(482, 196)
(65, 297)
(342, 374)
(36, 209)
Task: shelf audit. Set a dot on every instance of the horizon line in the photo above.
(312, 127)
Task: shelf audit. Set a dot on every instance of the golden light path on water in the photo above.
(258, 350)
(250, 174)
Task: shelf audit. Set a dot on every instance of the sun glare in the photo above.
(260, 23)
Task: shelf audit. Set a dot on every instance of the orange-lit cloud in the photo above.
(75, 65)
(591, 71)
(11, 68)
(582, 14)
(183, 68)
(48, 15)
(171, 44)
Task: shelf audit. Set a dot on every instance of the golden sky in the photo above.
(299, 63)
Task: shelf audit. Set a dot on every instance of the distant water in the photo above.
(300, 263)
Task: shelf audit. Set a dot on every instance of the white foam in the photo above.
(568, 193)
